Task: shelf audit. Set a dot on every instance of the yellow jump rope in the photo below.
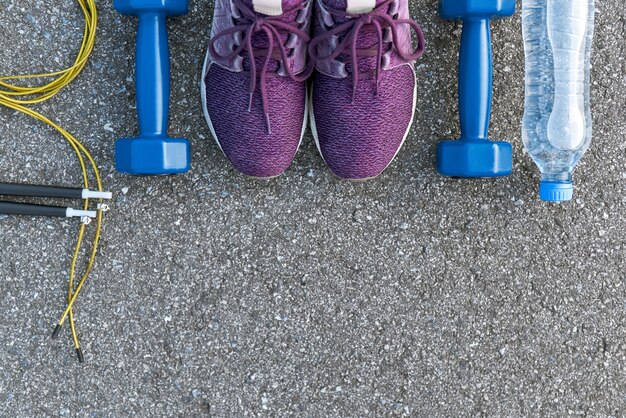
(18, 97)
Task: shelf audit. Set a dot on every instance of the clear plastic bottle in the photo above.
(557, 118)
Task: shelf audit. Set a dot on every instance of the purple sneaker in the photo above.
(254, 90)
(364, 93)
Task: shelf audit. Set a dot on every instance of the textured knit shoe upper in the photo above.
(254, 89)
(364, 90)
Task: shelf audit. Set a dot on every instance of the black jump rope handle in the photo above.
(10, 208)
(33, 190)
(13, 208)
(9, 189)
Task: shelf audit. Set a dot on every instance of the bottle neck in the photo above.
(556, 177)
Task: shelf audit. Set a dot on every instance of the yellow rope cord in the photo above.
(17, 97)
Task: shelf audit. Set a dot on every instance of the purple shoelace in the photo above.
(350, 30)
(251, 23)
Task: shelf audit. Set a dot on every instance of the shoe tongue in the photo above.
(278, 10)
(272, 7)
(353, 6)
(367, 38)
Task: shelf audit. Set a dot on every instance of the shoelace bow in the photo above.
(380, 19)
(270, 25)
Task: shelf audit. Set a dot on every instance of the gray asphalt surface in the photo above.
(216, 295)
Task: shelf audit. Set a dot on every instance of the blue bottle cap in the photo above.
(556, 191)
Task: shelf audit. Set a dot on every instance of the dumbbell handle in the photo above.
(153, 75)
(475, 79)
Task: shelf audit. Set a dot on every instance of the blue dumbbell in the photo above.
(474, 155)
(153, 152)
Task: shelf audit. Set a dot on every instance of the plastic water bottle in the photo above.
(557, 117)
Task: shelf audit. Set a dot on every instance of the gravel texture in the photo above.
(218, 295)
